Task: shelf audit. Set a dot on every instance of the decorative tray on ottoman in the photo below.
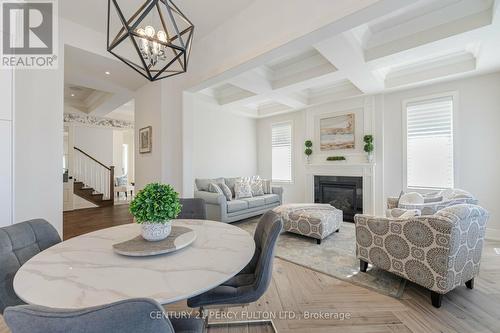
(179, 238)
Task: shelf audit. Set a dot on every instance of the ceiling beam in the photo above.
(288, 93)
(253, 81)
(256, 81)
(407, 41)
(345, 53)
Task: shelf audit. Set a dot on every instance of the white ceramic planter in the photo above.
(370, 157)
(154, 232)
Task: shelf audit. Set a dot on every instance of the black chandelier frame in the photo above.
(128, 30)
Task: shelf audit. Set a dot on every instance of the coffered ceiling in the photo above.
(206, 14)
(426, 42)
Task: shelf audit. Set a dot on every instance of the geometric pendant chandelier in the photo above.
(153, 37)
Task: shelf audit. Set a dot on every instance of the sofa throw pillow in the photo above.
(202, 183)
(266, 186)
(242, 190)
(431, 199)
(230, 183)
(226, 191)
(411, 198)
(410, 213)
(257, 188)
(213, 188)
(122, 181)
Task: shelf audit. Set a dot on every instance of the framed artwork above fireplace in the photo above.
(338, 133)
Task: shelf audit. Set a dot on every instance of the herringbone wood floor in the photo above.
(301, 291)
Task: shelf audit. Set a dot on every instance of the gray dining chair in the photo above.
(129, 316)
(252, 282)
(193, 209)
(19, 243)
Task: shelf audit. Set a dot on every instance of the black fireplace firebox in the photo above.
(344, 193)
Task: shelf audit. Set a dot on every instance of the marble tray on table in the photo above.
(179, 238)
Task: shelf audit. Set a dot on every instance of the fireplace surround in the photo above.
(342, 192)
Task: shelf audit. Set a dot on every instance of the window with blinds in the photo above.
(282, 152)
(429, 143)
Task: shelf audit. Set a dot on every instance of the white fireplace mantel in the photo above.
(346, 169)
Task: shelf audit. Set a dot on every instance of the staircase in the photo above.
(94, 181)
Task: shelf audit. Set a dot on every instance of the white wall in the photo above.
(225, 144)
(95, 141)
(148, 112)
(6, 148)
(128, 138)
(477, 135)
(121, 137)
(38, 145)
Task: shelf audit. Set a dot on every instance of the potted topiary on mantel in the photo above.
(153, 208)
(368, 148)
(308, 150)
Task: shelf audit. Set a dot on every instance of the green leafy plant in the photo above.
(308, 145)
(335, 158)
(156, 203)
(368, 139)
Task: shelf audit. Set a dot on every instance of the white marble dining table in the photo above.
(85, 271)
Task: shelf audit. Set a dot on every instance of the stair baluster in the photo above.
(94, 181)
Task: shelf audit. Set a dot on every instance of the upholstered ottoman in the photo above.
(317, 221)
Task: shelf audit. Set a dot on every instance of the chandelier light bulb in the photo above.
(162, 36)
(150, 31)
(141, 32)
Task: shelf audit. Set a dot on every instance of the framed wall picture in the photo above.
(337, 132)
(145, 140)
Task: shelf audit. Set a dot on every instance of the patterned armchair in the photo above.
(439, 252)
(433, 202)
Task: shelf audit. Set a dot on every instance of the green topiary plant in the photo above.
(308, 150)
(335, 158)
(156, 203)
(368, 139)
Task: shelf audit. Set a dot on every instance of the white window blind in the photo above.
(282, 152)
(429, 143)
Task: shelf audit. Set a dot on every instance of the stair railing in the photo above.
(93, 173)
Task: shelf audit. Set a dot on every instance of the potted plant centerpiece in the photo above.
(153, 208)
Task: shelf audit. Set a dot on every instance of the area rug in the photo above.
(335, 256)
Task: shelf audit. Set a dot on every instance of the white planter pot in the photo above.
(370, 157)
(154, 232)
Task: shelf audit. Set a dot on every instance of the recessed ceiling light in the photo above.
(72, 95)
(107, 73)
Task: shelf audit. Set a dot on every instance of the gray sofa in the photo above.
(219, 209)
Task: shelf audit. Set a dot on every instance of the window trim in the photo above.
(292, 153)
(455, 97)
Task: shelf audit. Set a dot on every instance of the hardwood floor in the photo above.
(83, 221)
(297, 292)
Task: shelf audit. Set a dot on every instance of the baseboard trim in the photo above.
(492, 234)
